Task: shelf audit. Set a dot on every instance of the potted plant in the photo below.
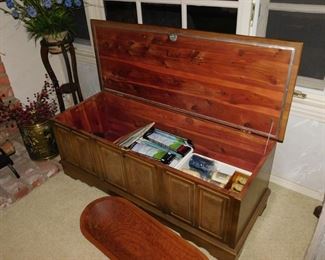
(48, 19)
(33, 121)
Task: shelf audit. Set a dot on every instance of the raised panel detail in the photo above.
(66, 143)
(85, 151)
(180, 194)
(142, 179)
(112, 168)
(212, 209)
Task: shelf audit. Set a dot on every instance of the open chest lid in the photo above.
(239, 81)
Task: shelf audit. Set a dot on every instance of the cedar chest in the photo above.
(229, 94)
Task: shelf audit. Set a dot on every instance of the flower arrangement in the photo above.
(43, 17)
(35, 111)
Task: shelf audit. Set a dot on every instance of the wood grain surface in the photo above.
(243, 82)
(111, 116)
(123, 231)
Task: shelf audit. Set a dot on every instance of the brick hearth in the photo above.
(5, 88)
(7, 95)
(32, 173)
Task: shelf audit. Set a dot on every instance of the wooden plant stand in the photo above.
(73, 86)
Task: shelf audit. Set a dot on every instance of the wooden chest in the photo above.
(230, 95)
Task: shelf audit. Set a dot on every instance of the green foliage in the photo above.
(52, 22)
(43, 17)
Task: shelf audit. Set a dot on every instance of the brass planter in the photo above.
(39, 140)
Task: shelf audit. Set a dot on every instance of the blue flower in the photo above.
(68, 3)
(15, 14)
(10, 4)
(59, 1)
(31, 11)
(47, 4)
(77, 3)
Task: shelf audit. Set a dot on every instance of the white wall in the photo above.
(22, 59)
(300, 160)
(87, 70)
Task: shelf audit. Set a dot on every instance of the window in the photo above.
(228, 16)
(214, 19)
(301, 20)
(162, 14)
(311, 2)
(308, 28)
(81, 31)
(121, 11)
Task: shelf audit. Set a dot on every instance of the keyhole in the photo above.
(173, 37)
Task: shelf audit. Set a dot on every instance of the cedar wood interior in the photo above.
(110, 116)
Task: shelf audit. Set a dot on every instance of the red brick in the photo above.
(16, 189)
(5, 201)
(32, 176)
(4, 80)
(5, 91)
(49, 168)
(2, 68)
(21, 191)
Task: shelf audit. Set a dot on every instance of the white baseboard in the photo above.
(298, 188)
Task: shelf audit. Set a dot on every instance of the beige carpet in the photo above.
(45, 225)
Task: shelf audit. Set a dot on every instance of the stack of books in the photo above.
(157, 144)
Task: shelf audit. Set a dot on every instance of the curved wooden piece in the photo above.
(122, 231)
